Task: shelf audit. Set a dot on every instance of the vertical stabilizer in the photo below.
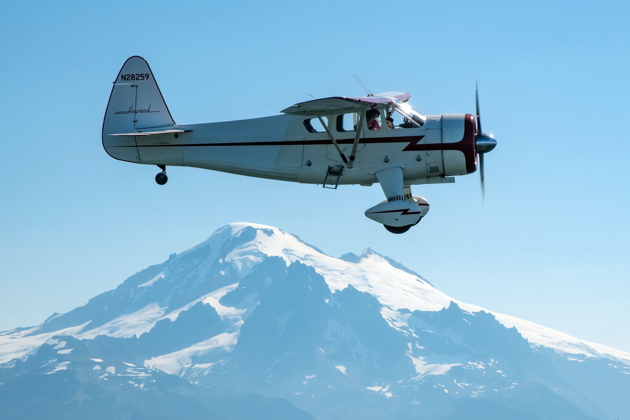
(135, 104)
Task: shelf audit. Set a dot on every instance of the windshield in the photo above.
(412, 118)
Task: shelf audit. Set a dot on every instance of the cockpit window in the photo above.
(346, 122)
(314, 126)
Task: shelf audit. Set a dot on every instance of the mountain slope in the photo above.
(256, 309)
(66, 380)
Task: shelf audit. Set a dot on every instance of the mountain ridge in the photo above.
(258, 309)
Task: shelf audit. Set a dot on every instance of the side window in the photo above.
(347, 122)
(314, 126)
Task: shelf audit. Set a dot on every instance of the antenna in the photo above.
(363, 85)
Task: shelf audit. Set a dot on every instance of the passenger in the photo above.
(372, 119)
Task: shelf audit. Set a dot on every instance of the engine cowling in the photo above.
(400, 215)
(458, 142)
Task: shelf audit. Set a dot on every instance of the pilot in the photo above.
(390, 123)
(372, 119)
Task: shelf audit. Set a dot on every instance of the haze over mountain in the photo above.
(255, 323)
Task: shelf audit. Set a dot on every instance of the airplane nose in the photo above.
(485, 143)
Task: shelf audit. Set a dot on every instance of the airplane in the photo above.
(330, 142)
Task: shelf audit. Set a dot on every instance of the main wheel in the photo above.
(161, 178)
(398, 229)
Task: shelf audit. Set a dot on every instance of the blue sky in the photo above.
(550, 245)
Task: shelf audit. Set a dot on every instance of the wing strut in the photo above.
(356, 140)
(343, 157)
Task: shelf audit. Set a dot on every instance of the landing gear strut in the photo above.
(161, 177)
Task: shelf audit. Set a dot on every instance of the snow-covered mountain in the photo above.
(256, 313)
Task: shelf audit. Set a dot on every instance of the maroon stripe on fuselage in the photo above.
(381, 140)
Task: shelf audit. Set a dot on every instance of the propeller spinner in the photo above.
(484, 143)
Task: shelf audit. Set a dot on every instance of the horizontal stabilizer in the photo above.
(149, 133)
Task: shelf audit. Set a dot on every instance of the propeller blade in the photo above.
(481, 175)
(479, 132)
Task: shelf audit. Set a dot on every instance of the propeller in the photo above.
(484, 143)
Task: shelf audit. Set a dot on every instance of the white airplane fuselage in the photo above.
(280, 147)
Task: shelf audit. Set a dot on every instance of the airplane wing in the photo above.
(343, 104)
